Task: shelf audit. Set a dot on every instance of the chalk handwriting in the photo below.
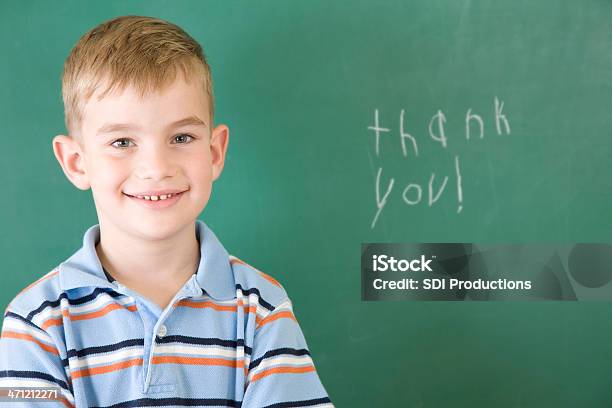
(412, 194)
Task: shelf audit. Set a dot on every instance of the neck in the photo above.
(133, 261)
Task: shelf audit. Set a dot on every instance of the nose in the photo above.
(155, 163)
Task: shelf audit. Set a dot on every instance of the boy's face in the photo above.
(133, 146)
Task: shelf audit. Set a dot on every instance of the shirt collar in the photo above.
(214, 274)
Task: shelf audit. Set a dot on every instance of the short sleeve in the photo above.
(30, 358)
(281, 372)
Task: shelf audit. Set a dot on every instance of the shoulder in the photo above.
(250, 281)
(43, 292)
(40, 302)
(35, 314)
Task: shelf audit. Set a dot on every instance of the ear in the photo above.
(69, 154)
(219, 139)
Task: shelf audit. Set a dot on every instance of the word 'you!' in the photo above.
(413, 192)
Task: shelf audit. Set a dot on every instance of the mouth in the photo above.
(157, 202)
(155, 197)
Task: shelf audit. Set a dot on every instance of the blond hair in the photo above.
(144, 52)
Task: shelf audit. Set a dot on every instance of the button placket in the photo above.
(162, 331)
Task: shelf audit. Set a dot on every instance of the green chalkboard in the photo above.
(300, 85)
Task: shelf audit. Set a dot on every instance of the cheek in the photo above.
(202, 179)
(200, 167)
(107, 173)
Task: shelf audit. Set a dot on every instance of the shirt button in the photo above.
(162, 331)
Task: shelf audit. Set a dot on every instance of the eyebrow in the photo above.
(122, 127)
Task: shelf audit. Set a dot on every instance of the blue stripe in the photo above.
(278, 352)
(34, 374)
(102, 349)
(23, 319)
(260, 299)
(304, 403)
(201, 341)
(184, 402)
(73, 302)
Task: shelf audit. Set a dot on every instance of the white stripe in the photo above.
(104, 359)
(26, 382)
(247, 302)
(24, 328)
(100, 303)
(286, 305)
(195, 350)
(283, 360)
(252, 300)
(231, 302)
(46, 314)
(283, 307)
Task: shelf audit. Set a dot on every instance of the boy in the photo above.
(151, 311)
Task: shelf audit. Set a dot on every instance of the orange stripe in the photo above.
(234, 260)
(248, 309)
(197, 361)
(198, 305)
(212, 305)
(22, 336)
(269, 278)
(280, 315)
(264, 275)
(107, 309)
(86, 372)
(49, 275)
(281, 370)
(53, 321)
(57, 321)
(66, 402)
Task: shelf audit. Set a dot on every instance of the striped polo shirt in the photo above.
(228, 338)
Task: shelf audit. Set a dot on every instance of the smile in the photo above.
(155, 198)
(156, 201)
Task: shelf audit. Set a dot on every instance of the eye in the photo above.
(121, 143)
(183, 138)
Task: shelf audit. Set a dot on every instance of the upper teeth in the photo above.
(155, 198)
